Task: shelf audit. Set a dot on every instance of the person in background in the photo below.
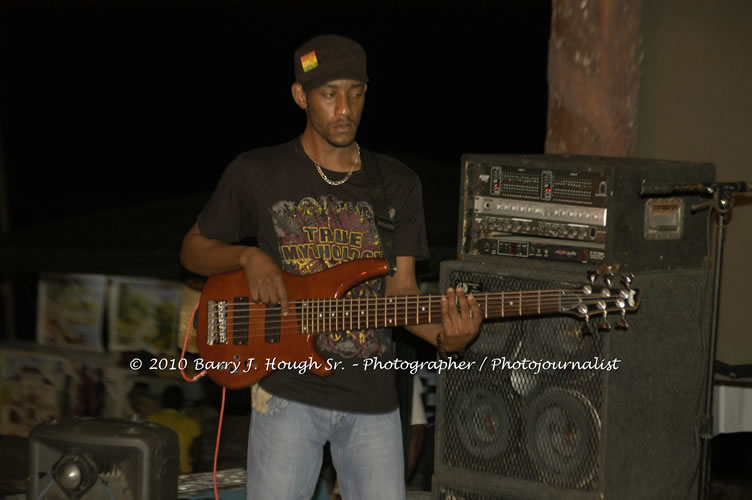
(187, 428)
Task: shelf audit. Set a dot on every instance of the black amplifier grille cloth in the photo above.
(451, 494)
(514, 419)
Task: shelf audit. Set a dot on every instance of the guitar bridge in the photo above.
(216, 327)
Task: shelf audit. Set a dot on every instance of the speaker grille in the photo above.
(453, 494)
(524, 410)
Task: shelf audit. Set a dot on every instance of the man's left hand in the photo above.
(461, 318)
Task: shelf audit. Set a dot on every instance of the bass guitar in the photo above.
(236, 337)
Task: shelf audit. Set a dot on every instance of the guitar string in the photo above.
(563, 294)
(346, 305)
(323, 324)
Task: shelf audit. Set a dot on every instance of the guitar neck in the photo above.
(328, 315)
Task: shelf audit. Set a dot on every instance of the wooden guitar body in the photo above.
(256, 334)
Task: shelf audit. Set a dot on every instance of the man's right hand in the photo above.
(208, 256)
(264, 278)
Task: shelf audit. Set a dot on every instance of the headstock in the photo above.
(594, 301)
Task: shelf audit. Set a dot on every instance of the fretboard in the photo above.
(332, 315)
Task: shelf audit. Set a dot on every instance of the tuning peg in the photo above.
(622, 323)
(608, 279)
(592, 275)
(627, 279)
(585, 329)
(603, 324)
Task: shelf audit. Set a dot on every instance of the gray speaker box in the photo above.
(626, 425)
(95, 458)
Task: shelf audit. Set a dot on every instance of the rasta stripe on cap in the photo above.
(309, 62)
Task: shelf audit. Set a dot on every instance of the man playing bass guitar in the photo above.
(308, 204)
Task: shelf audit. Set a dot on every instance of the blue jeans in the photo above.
(285, 452)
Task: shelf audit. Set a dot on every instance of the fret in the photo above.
(406, 307)
(485, 305)
(360, 312)
(386, 322)
(539, 301)
(503, 300)
(351, 312)
(320, 318)
(520, 304)
(368, 315)
(417, 310)
(430, 308)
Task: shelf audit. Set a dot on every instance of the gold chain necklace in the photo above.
(326, 179)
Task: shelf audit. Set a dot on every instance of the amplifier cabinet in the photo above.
(551, 409)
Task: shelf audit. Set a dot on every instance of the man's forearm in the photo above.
(206, 256)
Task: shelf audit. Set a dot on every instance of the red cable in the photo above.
(222, 406)
(219, 433)
(185, 346)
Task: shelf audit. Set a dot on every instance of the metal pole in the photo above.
(722, 206)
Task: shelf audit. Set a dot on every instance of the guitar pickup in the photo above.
(272, 331)
(240, 320)
(216, 323)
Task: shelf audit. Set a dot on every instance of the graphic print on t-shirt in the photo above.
(316, 234)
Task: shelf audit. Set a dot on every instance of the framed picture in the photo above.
(143, 314)
(71, 309)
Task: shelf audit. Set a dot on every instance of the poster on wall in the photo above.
(34, 388)
(70, 310)
(143, 314)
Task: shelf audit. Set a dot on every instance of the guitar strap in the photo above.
(384, 223)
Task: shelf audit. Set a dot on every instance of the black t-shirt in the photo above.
(276, 195)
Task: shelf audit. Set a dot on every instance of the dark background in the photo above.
(110, 104)
(118, 117)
